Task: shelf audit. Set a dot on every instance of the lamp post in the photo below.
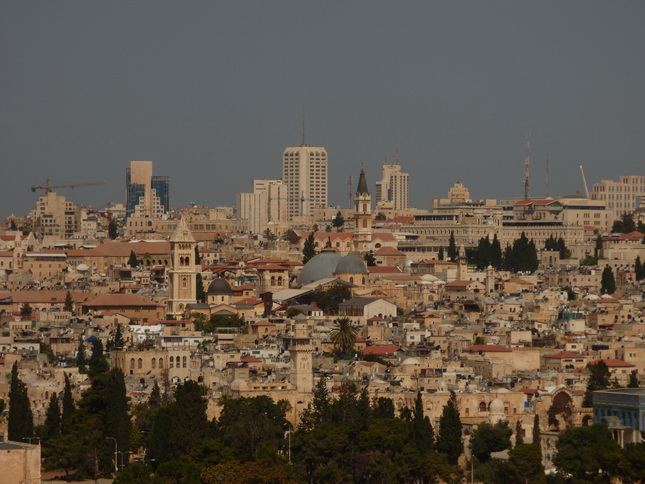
(116, 462)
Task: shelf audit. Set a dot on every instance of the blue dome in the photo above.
(320, 266)
(351, 264)
(219, 286)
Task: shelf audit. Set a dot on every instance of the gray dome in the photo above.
(219, 286)
(351, 264)
(320, 266)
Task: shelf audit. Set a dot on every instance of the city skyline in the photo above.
(453, 88)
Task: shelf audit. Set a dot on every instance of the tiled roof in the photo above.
(120, 300)
(381, 350)
(564, 354)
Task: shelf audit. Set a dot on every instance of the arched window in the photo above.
(351, 280)
(184, 362)
(364, 223)
(153, 363)
(171, 362)
(482, 407)
(139, 363)
(160, 362)
(132, 363)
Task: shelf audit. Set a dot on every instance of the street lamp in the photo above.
(116, 462)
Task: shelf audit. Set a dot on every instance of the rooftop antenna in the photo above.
(547, 175)
(303, 126)
(527, 162)
(397, 158)
(584, 182)
(350, 180)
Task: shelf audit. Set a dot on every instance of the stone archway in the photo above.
(561, 412)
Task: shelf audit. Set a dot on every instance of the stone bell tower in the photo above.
(182, 277)
(362, 215)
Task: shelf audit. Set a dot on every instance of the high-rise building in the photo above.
(623, 196)
(304, 172)
(56, 216)
(146, 195)
(264, 207)
(393, 190)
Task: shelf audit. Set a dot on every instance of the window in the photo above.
(171, 362)
(139, 363)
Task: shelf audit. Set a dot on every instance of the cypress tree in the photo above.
(309, 249)
(155, 396)
(519, 438)
(607, 281)
(98, 364)
(198, 258)
(81, 357)
(452, 248)
(21, 419)
(200, 293)
(132, 260)
(116, 419)
(68, 407)
(536, 433)
(52, 419)
(449, 441)
(440, 256)
(639, 269)
(113, 230)
(421, 430)
(118, 341)
(496, 253)
(69, 303)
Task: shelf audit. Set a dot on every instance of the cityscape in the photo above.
(402, 300)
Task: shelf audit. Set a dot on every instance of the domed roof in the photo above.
(351, 264)
(219, 286)
(320, 266)
(411, 361)
(497, 407)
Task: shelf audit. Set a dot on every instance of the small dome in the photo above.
(219, 286)
(497, 407)
(411, 361)
(351, 264)
(320, 267)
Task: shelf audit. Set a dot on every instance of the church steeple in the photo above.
(182, 277)
(362, 215)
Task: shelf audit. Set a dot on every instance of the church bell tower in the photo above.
(182, 280)
(362, 215)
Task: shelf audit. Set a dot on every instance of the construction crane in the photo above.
(48, 188)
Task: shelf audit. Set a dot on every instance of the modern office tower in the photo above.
(250, 208)
(623, 196)
(393, 190)
(304, 172)
(146, 195)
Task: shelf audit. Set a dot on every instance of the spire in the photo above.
(182, 233)
(362, 183)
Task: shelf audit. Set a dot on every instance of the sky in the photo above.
(212, 93)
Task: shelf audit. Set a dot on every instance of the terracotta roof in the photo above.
(615, 363)
(43, 296)
(271, 267)
(564, 354)
(488, 348)
(120, 300)
(459, 283)
(250, 359)
(384, 236)
(381, 350)
(122, 249)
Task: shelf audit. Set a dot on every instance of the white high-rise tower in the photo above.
(304, 172)
(393, 190)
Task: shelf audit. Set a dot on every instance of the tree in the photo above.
(380, 216)
(198, 257)
(68, 407)
(421, 432)
(343, 336)
(449, 440)
(81, 358)
(98, 363)
(113, 230)
(52, 425)
(633, 463)
(291, 237)
(597, 251)
(13, 225)
(370, 260)
(633, 379)
(496, 258)
(588, 453)
(116, 419)
(155, 396)
(200, 293)
(190, 423)
(519, 433)
(490, 438)
(639, 269)
(607, 281)
(452, 248)
(118, 341)
(69, 303)
(599, 379)
(132, 260)
(309, 249)
(329, 299)
(521, 256)
(440, 255)
(21, 419)
(625, 225)
(25, 312)
(524, 466)
(338, 222)
(537, 440)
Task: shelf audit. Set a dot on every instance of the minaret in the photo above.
(362, 215)
(462, 264)
(301, 353)
(18, 253)
(182, 287)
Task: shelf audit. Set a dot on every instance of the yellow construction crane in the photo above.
(48, 188)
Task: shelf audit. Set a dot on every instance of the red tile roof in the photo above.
(615, 363)
(380, 350)
(564, 354)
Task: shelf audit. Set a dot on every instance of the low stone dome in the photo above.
(351, 264)
(320, 266)
(497, 407)
(219, 286)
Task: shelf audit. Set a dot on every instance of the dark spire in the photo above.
(362, 183)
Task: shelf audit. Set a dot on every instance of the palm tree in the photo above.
(344, 336)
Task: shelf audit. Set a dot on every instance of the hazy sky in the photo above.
(212, 92)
